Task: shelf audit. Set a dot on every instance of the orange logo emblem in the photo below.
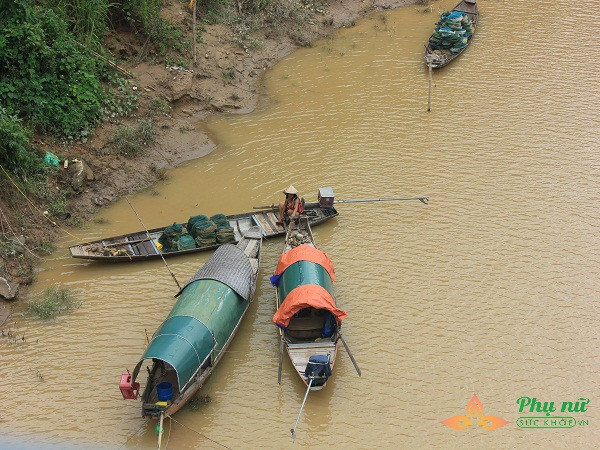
(474, 415)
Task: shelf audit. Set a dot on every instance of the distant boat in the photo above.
(195, 335)
(138, 246)
(440, 58)
(307, 315)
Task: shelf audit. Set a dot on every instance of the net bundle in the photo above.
(452, 32)
(170, 237)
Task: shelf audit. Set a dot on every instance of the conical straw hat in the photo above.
(291, 190)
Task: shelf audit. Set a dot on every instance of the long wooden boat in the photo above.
(307, 315)
(440, 58)
(188, 345)
(138, 246)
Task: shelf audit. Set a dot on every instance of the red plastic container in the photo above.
(129, 391)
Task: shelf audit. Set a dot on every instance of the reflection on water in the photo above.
(491, 289)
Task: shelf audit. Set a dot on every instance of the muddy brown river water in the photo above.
(493, 288)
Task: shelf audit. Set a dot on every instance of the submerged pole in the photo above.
(160, 428)
(280, 357)
(430, 79)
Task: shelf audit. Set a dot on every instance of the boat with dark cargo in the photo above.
(453, 34)
(193, 338)
(144, 245)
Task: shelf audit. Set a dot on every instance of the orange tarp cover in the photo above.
(305, 253)
(306, 296)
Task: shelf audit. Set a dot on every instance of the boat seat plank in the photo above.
(149, 247)
(306, 323)
(251, 247)
(312, 345)
(272, 219)
(141, 249)
(254, 264)
(261, 219)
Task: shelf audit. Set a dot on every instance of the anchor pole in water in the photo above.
(160, 429)
(293, 430)
(430, 80)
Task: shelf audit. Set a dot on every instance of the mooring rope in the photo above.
(132, 435)
(15, 240)
(54, 224)
(198, 433)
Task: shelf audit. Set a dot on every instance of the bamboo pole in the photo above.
(194, 31)
(293, 430)
(430, 79)
(160, 428)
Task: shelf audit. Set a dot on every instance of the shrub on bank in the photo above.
(130, 140)
(45, 75)
(16, 154)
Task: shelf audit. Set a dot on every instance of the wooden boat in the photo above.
(440, 58)
(195, 335)
(307, 315)
(138, 246)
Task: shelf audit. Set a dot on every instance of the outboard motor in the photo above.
(319, 369)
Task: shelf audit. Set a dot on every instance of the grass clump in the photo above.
(159, 107)
(52, 302)
(197, 400)
(228, 75)
(130, 140)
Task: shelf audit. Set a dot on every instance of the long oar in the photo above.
(424, 200)
(280, 357)
(391, 199)
(293, 430)
(148, 234)
(350, 354)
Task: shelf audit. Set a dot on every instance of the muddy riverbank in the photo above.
(226, 78)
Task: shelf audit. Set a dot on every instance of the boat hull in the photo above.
(471, 10)
(193, 338)
(141, 248)
(307, 315)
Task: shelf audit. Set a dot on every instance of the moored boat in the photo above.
(144, 245)
(191, 341)
(468, 12)
(307, 315)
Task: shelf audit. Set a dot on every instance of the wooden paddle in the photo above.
(358, 371)
(280, 357)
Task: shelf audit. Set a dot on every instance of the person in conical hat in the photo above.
(291, 207)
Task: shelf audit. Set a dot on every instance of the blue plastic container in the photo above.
(164, 391)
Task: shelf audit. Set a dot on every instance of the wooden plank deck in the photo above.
(267, 221)
(300, 353)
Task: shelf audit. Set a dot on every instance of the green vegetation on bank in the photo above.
(52, 302)
(54, 75)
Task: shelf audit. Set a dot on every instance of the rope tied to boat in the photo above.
(197, 432)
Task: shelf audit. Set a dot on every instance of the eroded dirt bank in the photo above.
(226, 78)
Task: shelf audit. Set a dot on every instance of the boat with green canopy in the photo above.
(193, 338)
(307, 316)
